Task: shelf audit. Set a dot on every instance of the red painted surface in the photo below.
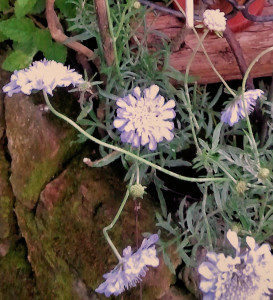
(239, 22)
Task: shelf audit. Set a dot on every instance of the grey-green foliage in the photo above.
(224, 151)
(84, 22)
(137, 67)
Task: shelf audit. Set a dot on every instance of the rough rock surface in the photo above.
(7, 217)
(64, 233)
(7, 222)
(61, 207)
(37, 144)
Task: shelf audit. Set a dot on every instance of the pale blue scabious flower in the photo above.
(247, 276)
(145, 119)
(42, 75)
(235, 110)
(131, 268)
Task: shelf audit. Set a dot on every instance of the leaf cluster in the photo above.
(226, 152)
(22, 23)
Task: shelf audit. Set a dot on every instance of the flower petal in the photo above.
(170, 104)
(168, 114)
(251, 242)
(205, 271)
(151, 92)
(233, 239)
(152, 143)
(119, 122)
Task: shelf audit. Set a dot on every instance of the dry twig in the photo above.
(58, 35)
(108, 49)
(103, 24)
(95, 163)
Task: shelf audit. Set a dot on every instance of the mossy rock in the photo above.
(65, 240)
(4, 79)
(39, 144)
(16, 278)
(7, 221)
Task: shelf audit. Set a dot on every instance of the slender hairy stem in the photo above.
(263, 206)
(192, 117)
(187, 104)
(122, 19)
(200, 41)
(223, 169)
(137, 179)
(204, 202)
(255, 60)
(173, 174)
(253, 142)
(269, 213)
(212, 66)
(110, 226)
(264, 127)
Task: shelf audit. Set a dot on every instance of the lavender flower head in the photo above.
(42, 75)
(131, 268)
(235, 110)
(145, 119)
(249, 275)
(214, 20)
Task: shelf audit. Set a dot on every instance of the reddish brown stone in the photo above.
(38, 144)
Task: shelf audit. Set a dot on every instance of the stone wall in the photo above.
(53, 209)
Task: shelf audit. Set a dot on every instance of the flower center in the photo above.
(144, 117)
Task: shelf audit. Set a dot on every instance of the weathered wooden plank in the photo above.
(253, 40)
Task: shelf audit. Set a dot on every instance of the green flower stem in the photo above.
(256, 186)
(212, 66)
(268, 214)
(191, 115)
(137, 167)
(200, 41)
(111, 30)
(110, 226)
(262, 210)
(253, 142)
(173, 174)
(192, 118)
(223, 169)
(256, 59)
(122, 19)
(204, 202)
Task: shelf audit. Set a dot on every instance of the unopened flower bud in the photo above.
(241, 187)
(137, 4)
(236, 227)
(263, 173)
(137, 191)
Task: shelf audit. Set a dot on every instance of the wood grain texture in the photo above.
(253, 40)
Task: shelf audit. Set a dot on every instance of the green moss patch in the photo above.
(16, 278)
